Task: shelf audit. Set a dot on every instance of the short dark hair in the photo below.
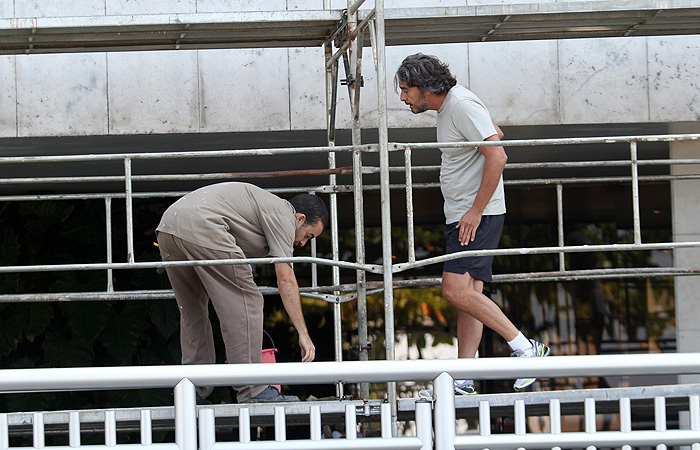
(312, 207)
(426, 72)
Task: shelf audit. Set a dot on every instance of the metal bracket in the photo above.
(350, 80)
(360, 348)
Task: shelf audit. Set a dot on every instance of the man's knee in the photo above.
(456, 288)
(459, 289)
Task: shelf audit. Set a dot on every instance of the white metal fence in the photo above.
(195, 426)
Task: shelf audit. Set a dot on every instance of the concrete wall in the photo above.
(621, 80)
(686, 204)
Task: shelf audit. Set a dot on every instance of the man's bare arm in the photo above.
(289, 291)
(498, 130)
(493, 169)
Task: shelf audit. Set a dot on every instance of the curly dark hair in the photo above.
(312, 207)
(426, 72)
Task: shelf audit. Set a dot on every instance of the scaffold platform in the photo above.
(404, 26)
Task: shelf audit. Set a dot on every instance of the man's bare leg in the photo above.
(464, 293)
(469, 331)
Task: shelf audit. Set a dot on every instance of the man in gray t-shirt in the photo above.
(234, 221)
(471, 181)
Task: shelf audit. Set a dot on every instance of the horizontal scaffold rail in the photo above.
(404, 26)
(345, 293)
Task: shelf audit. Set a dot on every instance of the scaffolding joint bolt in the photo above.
(350, 81)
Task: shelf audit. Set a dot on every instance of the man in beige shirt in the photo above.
(233, 221)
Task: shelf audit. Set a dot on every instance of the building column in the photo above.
(686, 228)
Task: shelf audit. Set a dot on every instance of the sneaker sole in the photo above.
(531, 380)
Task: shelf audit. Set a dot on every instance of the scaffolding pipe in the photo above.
(337, 331)
(343, 48)
(409, 207)
(343, 170)
(401, 267)
(331, 107)
(635, 194)
(570, 275)
(202, 262)
(181, 177)
(108, 222)
(382, 125)
(177, 155)
(354, 6)
(129, 212)
(556, 141)
(361, 275)
(560, 225)
(354, 71)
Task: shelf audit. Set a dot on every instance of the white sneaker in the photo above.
(462, 387)
(538, 350)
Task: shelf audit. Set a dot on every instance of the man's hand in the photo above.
(495, 161)
(308, 351)
(467, 226)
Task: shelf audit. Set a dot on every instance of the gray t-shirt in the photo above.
(463, 117)
(229, 216)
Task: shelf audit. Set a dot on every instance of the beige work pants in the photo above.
(236, 299)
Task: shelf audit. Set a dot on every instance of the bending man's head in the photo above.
(311, 215)
(426, 72)
(312, 207)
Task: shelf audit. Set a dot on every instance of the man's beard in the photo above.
(420, 106)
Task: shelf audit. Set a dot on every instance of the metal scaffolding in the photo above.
(343, 34)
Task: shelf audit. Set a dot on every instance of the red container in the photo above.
(268, 356)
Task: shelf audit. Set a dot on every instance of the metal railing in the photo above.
(192, 421)
(337, 293)
(129, 195)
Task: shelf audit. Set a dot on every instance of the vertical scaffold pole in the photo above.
(383, 128)
(108, 230)
(331, 100)
(129, 212)
(635, 193)
(354, 88)
(561, 292)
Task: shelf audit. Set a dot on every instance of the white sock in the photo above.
(520, 343)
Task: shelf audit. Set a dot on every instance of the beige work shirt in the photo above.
(229, 216)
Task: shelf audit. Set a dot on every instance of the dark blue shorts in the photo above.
(487, 236)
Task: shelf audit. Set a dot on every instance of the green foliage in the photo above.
(60, 351)
(86, 319)
(34, 318)
(79, 333)
(123, 331)
(10, 331)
